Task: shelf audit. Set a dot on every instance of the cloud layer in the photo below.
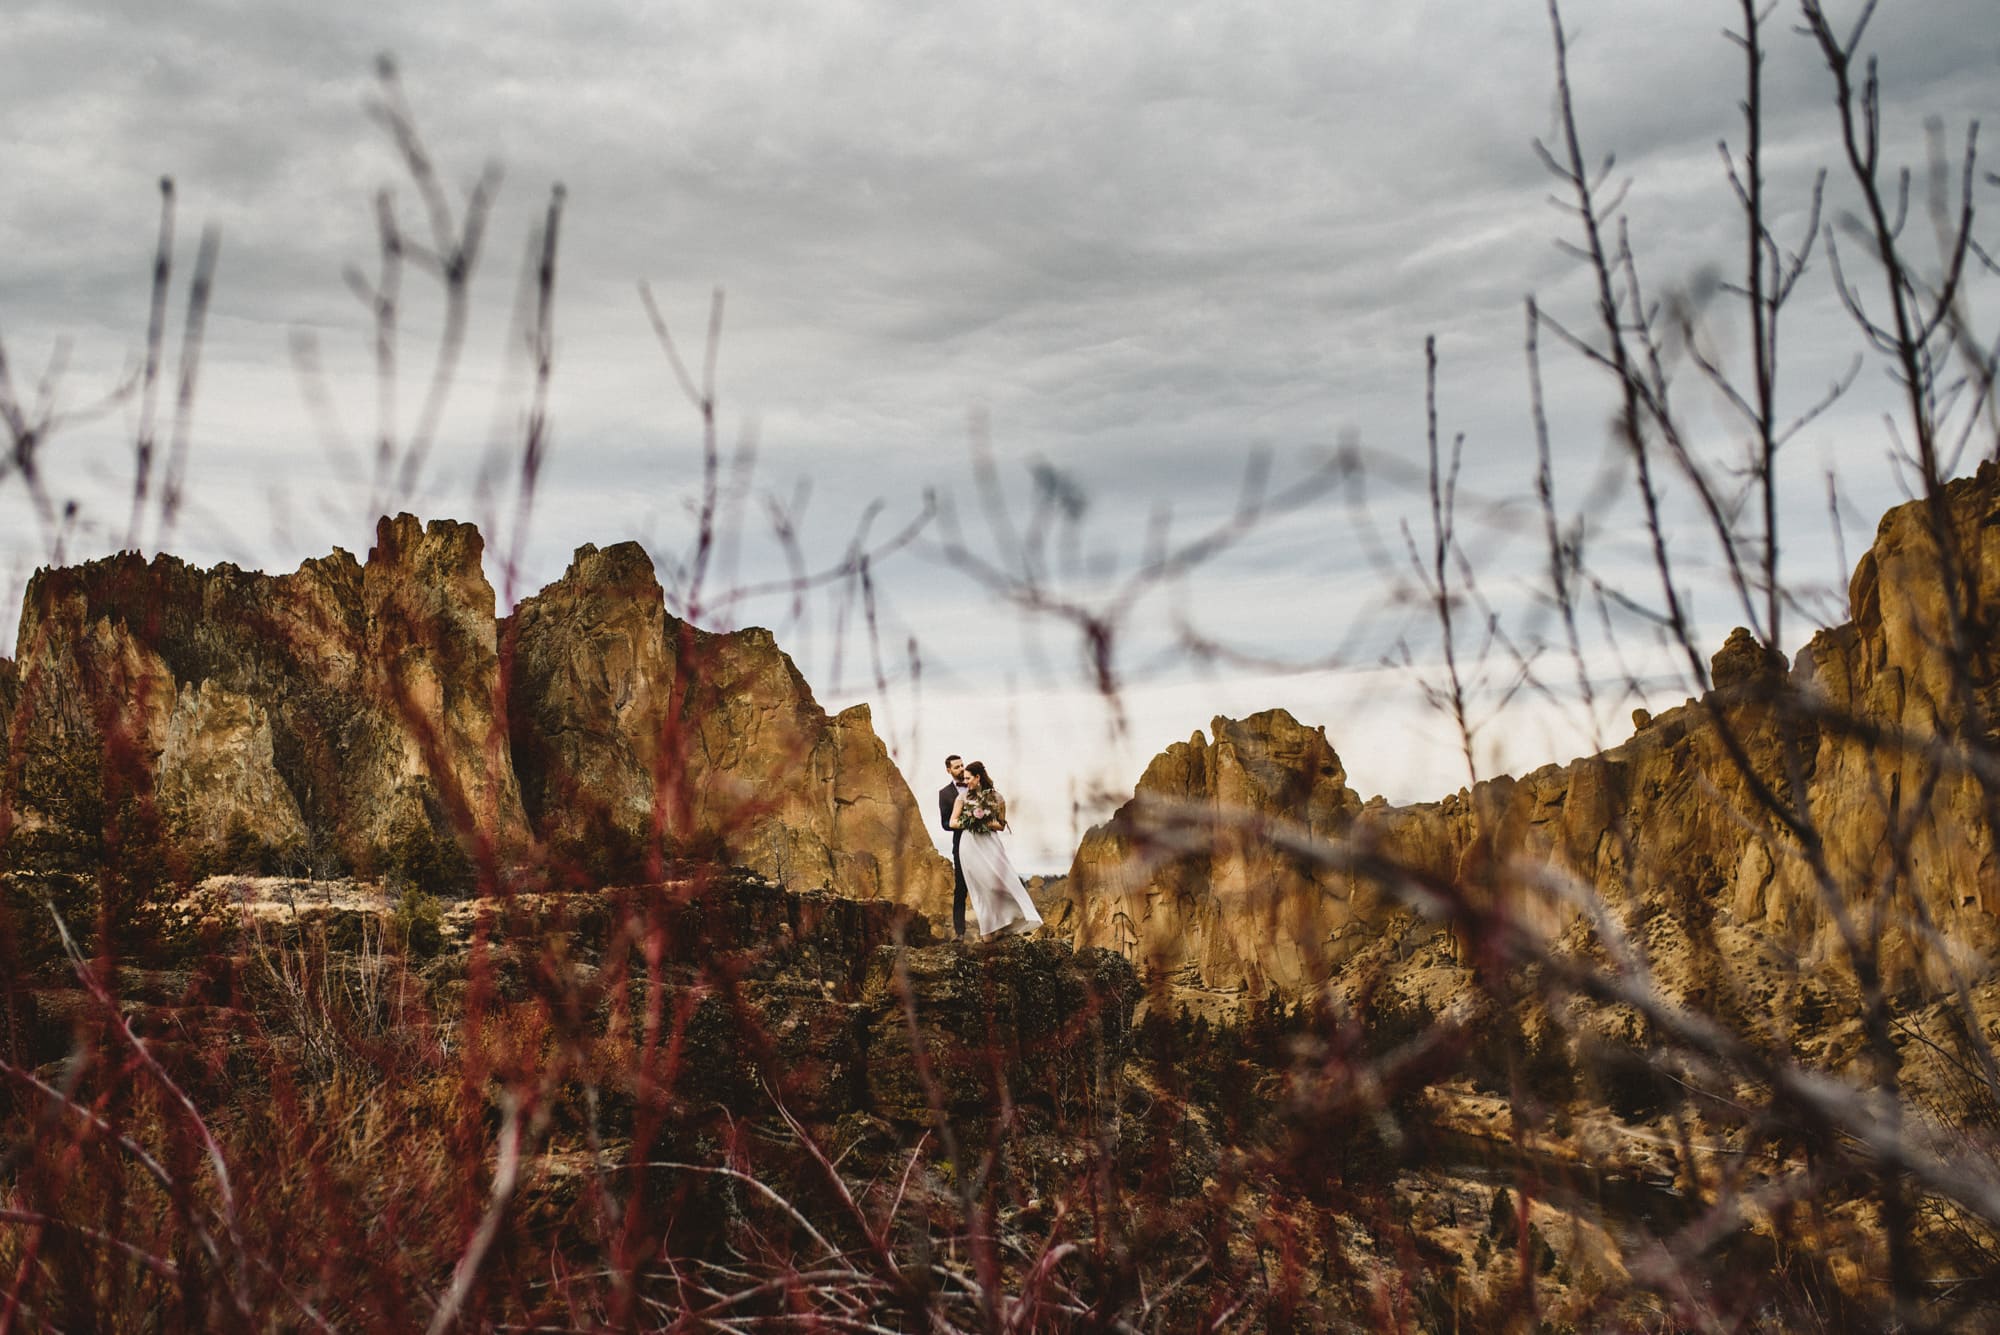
(1138, 246)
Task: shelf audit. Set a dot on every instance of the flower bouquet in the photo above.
(982, 813)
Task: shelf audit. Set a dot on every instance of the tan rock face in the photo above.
(1906, 665)
(1666, 818)
(630, 723)
(431, 651)
(217, 774)
(10, 718)
(592, 679)
(1192, 878)
(360, 706)
(372, 688)
(1866, 736)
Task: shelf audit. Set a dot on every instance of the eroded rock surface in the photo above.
(218, 771)
(10, 690)
(950, 1029)
(373, 689)
(812, 995)
(1191, 876)
(1690, 829)
(627, 720)
(358, 715)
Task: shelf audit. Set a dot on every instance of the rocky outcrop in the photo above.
(218, 770)
(631, 726)
(839, 1005)
(10, 693)
(1663, 820)
(1192, 876)
(949, 1031)
(355, 701)
(1905, 695)
(11, 721)
(378, 716)
(1727, 828)
(592, 699)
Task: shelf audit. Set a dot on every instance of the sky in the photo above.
(1123, 254)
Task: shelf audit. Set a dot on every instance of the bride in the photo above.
(992, 888)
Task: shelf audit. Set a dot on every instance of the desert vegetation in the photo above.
(385, 952)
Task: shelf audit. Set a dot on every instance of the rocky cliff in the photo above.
(1186, 877)
(627, 721)
(1847, 784)
(377, 714)
(351, 704)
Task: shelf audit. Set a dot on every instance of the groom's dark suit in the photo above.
(947, 799)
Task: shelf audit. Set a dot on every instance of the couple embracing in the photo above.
(983, 875)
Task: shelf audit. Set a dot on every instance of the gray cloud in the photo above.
(1140, 244)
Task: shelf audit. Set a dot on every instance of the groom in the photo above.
(947, 799)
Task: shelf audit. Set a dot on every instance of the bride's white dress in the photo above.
(992, 889)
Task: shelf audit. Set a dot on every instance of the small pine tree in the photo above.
(1503, 1221)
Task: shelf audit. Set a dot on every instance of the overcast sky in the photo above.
(1138, 247)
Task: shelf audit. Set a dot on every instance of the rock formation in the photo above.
(1189, 876)
(373, 715)
(1618, 969)
(627, 720)
(1368, 1161)
(353, 702)
(10, 690)
(827, 985)
(1852, 774)
(218, 770)
(1020, 1019)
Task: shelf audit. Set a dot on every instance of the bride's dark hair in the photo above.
(985, 780)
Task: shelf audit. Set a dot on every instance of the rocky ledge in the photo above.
(832, 1006)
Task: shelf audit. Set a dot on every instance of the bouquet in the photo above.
(982, 812)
